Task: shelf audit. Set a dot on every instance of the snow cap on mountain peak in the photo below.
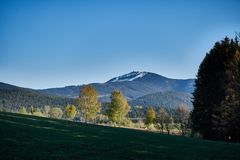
(129, 77)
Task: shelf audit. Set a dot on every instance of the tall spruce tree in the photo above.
(216, 113)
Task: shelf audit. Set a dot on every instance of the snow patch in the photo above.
(129, 77)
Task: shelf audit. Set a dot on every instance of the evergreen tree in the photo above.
(216, 113)
(88, 103)
(118, 108)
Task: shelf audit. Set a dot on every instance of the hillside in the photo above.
(165, 99)
(11, 97)
(28, 137)
(133, 85)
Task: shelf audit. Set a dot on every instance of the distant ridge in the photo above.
(134, 85)
(12, 97)
(140, 88)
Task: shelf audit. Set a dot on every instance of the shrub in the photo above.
(56, 112)
(22, 110)
(38, 113)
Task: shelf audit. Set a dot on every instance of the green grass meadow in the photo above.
(29, 137)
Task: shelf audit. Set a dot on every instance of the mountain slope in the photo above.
(12, 97)
(164, 99)
(133, 85)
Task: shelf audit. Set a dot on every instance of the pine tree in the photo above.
(216, 96)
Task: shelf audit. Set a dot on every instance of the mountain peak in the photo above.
(129, 77)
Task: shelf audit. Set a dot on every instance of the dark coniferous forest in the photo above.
(216, 99)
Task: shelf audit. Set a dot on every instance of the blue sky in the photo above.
(53, 43)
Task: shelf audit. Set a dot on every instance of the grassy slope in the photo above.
(27, 137)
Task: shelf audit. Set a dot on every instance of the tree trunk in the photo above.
(182, 129)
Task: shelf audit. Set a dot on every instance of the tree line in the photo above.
(88, 109)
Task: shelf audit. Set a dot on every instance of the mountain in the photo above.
(12, 97)
(133, 85)
(140, 88)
